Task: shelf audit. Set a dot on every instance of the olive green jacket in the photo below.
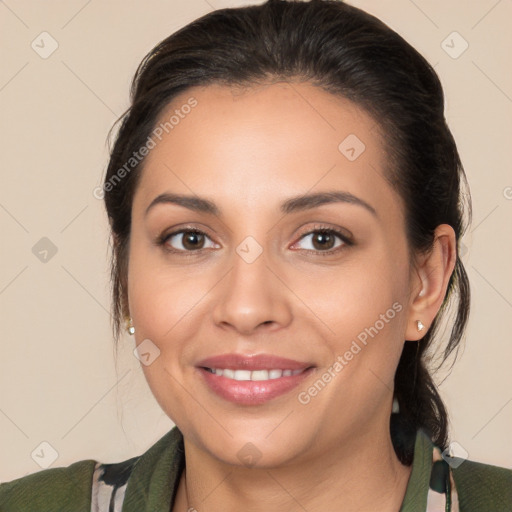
(149, 483)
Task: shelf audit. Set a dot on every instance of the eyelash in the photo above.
(347, 242)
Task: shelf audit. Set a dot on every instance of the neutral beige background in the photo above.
(58, 379)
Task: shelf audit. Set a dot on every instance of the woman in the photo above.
(286, 203)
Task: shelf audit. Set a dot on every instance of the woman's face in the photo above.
(256, 167)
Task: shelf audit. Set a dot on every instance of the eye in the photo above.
(187, 240)
(323, 240)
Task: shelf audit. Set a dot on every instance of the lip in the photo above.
(252, 392)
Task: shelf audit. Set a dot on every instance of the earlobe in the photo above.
(130, 329)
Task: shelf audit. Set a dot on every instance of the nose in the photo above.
(252, 297)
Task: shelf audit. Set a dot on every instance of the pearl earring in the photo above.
(129, 326)
(420, 325)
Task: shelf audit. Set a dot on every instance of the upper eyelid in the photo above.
(308, 231)
(165, 235)
(344, 234)
(180, 231)
(321, 227)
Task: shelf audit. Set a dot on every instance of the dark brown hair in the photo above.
(348, 52)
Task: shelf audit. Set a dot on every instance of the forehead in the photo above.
(261, 144)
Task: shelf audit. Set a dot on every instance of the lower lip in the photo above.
(248, 392)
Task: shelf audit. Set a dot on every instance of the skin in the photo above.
(248, 150)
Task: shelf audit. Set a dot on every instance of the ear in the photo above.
(430, 280)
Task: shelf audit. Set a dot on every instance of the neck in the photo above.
(363, 474)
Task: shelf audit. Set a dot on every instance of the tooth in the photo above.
(259, 375)
(242, 375)
(255, 375)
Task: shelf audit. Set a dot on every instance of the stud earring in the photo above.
(129, 326)
(420, 325)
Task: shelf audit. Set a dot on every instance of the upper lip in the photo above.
(252, 362)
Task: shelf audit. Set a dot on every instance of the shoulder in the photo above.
(441, 482)
(67, 488)
(482, 486)
(86, 485)
(91, 485)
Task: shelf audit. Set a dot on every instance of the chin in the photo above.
(254, 451)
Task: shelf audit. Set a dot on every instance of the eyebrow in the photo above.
(193, 203)
(294, 204)
(306, 202)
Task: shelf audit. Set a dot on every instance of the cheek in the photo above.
(160, 296)
(360, 310)
(351, 298)
(164, 304)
